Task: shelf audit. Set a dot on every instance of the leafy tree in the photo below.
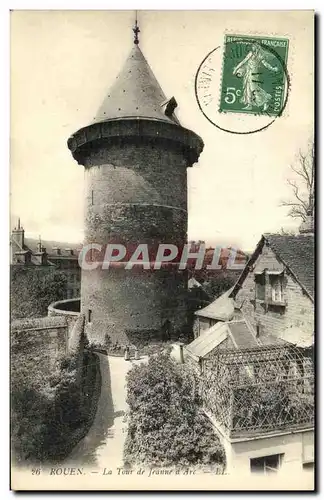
(32, 290)
(167, 427)
(220, 283)
(45, 404)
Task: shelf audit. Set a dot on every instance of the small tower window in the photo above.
(170, 106)
(89, 315)
(92, 197)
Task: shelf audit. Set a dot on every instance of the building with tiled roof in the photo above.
(298, 254)
(276, 289)
(42, 255)
(253, 357)
(295, 252)
(221, 309)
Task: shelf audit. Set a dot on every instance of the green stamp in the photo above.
(254, 79)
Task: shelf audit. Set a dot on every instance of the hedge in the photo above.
(166, 426)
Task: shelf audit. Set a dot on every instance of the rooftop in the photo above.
(208, 340)
(137, 108)
(53, 246)
(297, 253)
(239, 334)
(221, 309)
(136, 93)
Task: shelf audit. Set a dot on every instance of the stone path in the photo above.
(103, 445)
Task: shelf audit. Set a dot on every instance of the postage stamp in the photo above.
(254, 75)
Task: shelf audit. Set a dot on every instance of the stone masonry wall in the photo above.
(136, 193)
(45, 338)
(68, 311)
(65, 309)
(274, 320)
(123, 302)
(138, 173)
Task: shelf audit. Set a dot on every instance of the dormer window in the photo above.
(276, 284)
(169, 107)
(269, 287)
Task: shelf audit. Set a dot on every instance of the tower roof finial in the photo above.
(136, 31)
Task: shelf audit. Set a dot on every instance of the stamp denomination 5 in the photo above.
(243, 86)
(253, 79)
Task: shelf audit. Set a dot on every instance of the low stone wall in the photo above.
(68, 309)
(46, 339)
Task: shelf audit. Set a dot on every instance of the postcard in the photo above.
(162, 250)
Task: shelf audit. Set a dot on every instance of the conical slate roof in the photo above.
(135, 94)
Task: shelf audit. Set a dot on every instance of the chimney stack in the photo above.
(18, 236)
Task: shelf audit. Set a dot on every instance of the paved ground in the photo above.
(103, 445)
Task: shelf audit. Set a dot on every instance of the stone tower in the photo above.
(135, 154)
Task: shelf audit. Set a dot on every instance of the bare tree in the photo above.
(302, 185)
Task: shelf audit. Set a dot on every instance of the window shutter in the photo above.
(268, 290)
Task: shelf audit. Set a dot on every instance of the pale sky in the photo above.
(62, 65)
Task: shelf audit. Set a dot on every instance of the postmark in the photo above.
(243, 86)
